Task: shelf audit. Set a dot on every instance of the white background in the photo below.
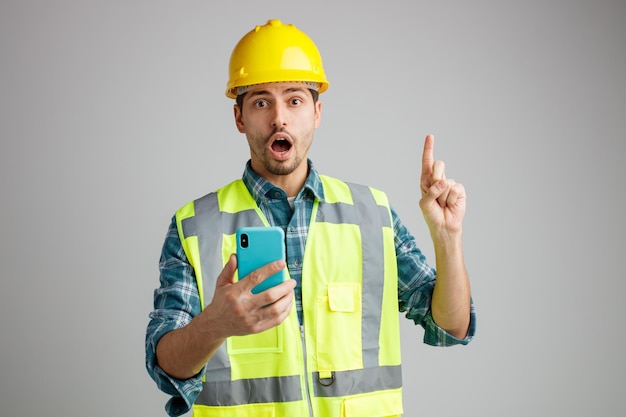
(113, 114)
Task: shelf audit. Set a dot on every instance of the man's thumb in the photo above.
(227, 275)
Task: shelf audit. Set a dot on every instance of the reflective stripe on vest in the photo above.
(287, 388)
(219, 388)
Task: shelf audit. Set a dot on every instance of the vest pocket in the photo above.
(381, 404)
(269, 341)
(338, 328)
(247, 410)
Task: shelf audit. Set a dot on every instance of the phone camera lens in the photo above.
(244, 240)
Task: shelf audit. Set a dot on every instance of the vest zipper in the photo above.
(306, 372)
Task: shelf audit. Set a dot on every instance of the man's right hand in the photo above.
(234, 311)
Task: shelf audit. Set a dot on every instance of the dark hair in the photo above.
(239, 99)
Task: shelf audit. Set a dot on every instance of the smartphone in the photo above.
(257, 246)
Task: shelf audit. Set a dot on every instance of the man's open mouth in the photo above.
(281, 145)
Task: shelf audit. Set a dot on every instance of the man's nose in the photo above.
(279, 118)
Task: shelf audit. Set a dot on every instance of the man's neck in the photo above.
(291, 183)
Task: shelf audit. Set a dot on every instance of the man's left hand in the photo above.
(443, 200)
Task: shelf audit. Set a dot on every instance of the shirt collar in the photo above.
(261, 189)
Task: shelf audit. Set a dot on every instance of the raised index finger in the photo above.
(427, 157)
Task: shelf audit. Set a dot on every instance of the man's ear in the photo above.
(238, 119)
(318, 113)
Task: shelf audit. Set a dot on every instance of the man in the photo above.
(215, 346)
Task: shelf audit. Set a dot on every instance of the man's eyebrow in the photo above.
(258, 93)
(294, 90)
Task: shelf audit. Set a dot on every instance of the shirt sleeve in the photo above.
(176, 302)
(416, 281)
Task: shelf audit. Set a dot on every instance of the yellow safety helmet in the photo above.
(274, 52)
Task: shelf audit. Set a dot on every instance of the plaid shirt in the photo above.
(177, 300)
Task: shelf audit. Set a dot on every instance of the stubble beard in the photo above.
(275, 167)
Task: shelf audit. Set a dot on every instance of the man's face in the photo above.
(278, 120)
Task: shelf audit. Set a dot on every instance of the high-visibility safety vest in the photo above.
(345, 359)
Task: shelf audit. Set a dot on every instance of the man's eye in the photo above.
(260, 104)
(296, 101)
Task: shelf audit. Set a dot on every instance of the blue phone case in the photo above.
(257, 246)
